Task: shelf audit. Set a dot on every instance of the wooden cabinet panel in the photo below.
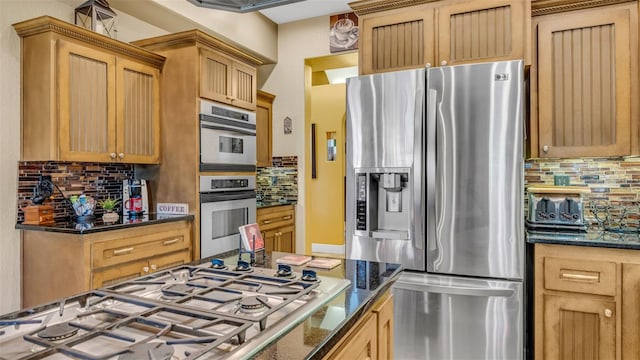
(285, 239)
(584, 90)
(86, 97)
(397, 41)
(264, 128)
(584, 276)
(579, 328)
(215, 81)
(362, 343)
(119, 273)
(86, 93)
(485, 30)
(227, 81)
(630, 306)
(384, 312)
(277, 224)
(169, 261)
(138, 113)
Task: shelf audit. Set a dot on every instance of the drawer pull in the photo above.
(608, 313)
(122, 251)
(266, 221)
(288, 217)
(153, 267)
(145, 269)
(170, 242)
(580, 277)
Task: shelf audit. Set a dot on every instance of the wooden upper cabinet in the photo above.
(586, 62)
(86, 97)
(138, 112)
(394, 37)
(263, 128)
(87, 111)
(397, 41)
(228, 81)
(482, 30)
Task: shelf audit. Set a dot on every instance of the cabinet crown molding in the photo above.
(372, 6)
(544, 7)
(45, 24)
(197, 37)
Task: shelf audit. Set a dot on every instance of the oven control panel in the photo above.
(227, 183)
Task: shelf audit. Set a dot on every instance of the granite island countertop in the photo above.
(97, 225)
(319, 332)
(593, 238)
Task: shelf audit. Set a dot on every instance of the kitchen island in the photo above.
(160, 306)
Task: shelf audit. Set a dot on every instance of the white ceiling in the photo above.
(306, 9)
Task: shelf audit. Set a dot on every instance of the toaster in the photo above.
(556, 208)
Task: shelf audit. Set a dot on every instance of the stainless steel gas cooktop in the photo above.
(209, 311)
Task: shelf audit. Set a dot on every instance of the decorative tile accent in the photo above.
(612, 180)
(280, 181)
(94, 179)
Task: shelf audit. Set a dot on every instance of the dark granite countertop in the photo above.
(266, 204)
(97, 225)
(594, 238)
(321, 330)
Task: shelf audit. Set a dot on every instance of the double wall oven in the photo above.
(226, 202)
(227, 138)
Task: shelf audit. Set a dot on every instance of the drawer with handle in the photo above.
(119, 251)
(582, 276)
(271, 218)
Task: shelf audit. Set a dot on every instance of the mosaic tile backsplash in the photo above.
(94, 179)
(278, 182)
(613, 181)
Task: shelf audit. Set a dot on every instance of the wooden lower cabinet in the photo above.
(371, 337)
(57, 265)
(586, 303)
(278, 226)
(579, 327)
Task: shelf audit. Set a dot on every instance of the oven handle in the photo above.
(227, 122)
(232, 129)
(210, 197)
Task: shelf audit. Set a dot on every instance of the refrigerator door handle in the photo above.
(430, 155)
(453, 290)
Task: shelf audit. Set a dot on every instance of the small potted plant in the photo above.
(109, 206)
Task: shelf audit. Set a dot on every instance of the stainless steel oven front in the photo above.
(226, 202)
(227, 138)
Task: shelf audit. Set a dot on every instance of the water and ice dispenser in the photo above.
(383, 203)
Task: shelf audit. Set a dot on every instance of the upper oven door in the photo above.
(227, 138)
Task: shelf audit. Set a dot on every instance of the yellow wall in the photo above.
(325, 194)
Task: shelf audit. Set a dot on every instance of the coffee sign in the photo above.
(173, 208)
(343, 32)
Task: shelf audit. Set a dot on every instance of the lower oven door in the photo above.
(220, 216)
(227, 150)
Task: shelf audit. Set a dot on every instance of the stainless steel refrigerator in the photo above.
(435, 182)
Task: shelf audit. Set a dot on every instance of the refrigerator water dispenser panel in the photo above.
(379, 203)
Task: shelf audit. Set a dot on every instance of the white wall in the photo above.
(297, 41)
(12, 11)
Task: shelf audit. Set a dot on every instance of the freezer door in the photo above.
(476, 205)
(438, 317)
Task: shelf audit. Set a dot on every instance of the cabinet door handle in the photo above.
(443, 63)
(122, 251)
(113, 155)
(266, 221)
(153, 267)
(608, 313)
(288, 217)
(545, 149)
(170, 242)
(145, 269)
(579, 277)
(121, 155)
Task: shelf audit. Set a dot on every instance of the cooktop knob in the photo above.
(284, 270)
(309, 275)
(218, 264)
